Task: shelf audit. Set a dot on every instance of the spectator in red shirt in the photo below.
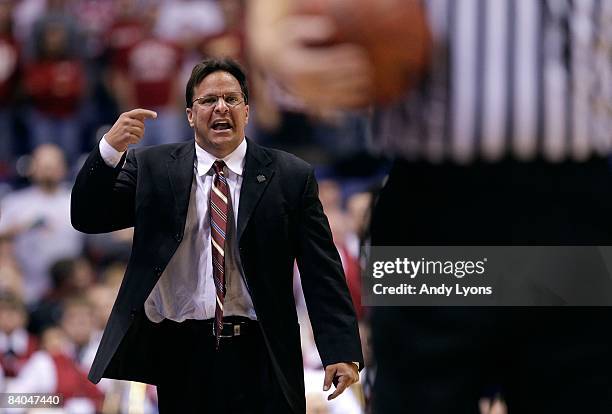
(52, 370)
(16, 344)
(55, 82)
(126, 31)
(149, 80)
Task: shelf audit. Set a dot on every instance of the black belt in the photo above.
(233, 326)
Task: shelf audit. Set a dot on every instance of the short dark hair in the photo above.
(61, 271)
(208, 66)
(9, 300)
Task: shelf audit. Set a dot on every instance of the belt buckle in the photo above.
(235, 330)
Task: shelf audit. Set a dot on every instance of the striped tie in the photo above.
(218, 224)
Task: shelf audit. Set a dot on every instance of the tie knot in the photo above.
(218, 167)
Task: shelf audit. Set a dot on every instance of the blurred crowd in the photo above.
(68, 68)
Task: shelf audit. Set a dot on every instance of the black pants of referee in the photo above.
(543, 360)
(236, 379)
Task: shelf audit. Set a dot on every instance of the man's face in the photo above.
(219, 129)
(77, 321)
(11, 319)
(48, 166)
(102, 298)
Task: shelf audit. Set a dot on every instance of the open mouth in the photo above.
(221, 125)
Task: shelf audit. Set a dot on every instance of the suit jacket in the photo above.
(280, 219)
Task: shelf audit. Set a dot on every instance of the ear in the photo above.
(189, 113)
(246, 119)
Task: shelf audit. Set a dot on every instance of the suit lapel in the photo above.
(256, 176)
(180, 172)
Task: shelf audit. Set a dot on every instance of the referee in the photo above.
(505, 142)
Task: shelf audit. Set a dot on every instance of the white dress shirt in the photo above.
(186, 289)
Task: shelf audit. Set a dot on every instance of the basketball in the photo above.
(394, 34)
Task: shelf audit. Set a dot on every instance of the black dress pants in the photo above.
(236, 379)
(543, 360)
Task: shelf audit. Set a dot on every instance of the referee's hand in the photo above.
(129, 128)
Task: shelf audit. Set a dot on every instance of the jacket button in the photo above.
(178, 237)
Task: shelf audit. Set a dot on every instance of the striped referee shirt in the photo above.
(519, 78)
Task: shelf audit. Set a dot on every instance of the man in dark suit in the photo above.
(206, 309)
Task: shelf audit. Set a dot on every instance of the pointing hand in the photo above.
(129, 128)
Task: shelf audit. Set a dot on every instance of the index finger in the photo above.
(141, 114)
(342, 385)
(330, 371)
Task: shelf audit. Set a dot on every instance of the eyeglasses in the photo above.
(210, 101)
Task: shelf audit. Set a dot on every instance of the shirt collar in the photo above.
(234, 161)
(17, 341)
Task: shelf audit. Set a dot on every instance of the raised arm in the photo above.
(103, 194)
